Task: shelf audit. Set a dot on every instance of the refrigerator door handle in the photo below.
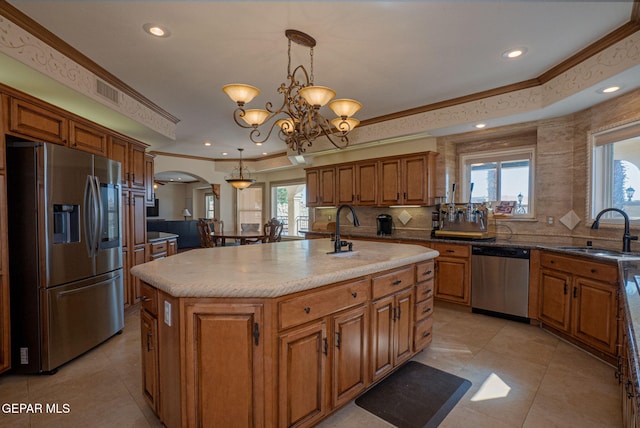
(86, 217)
(98, 217)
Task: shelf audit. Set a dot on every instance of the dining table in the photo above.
(243, 236)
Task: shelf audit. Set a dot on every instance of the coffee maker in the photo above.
(385, 223)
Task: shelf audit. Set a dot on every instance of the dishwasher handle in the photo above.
(493, 251)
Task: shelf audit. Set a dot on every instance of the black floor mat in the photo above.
(415, 396)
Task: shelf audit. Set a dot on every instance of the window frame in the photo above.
(274, 200)
(499, 156)
(599, 188)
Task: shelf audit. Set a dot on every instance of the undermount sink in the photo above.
(344, 253)
(600, 252)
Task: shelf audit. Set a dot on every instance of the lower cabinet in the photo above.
(584, 305)
(149, 336)
(391, 332)
(453, 265)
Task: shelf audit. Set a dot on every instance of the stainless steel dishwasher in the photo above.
(500, 281)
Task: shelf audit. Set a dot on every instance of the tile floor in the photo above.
(521, 375)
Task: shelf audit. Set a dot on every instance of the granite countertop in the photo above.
(272, 270)
(159, 236)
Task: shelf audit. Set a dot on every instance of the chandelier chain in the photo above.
(311, 74)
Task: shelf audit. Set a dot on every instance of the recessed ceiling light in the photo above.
(609, 89)
(258, 144)
(224, 153)
(480, 125)
(514, 53)
(264, 153)
(207, 143)
(156, 30)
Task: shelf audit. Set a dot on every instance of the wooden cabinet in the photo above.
(5, 319)
(627, 383)
(579, 297)
(397, 180)
(391, 321)
(366, 183)
(87, 138)
(323, 364)
(407, 180)
(224, 389)
(345, 184)
(453, 268)
(422, 336)
(35, 122)
(133, 158)
(148, 177)
(149, 336)
(321, 187)
(287, 361)
(134, 241)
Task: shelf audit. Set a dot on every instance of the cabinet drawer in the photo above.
(314, 305)
(424, 290)
(158, 247)
(391, 282)
(452, 250)
(580, 267)
(149, 298)
(424, 309)
(424, 271)
(422, 336)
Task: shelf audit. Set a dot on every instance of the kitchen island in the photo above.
(279, 334)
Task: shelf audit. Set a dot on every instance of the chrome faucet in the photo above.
(338, 244)
(626, 237)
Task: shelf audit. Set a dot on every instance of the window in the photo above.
(505, 175)
(209, 205)
(289, 206)
(615, 172)
(249, 206)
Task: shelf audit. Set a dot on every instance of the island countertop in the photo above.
(272, 270)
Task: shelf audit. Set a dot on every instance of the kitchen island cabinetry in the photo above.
(391, 321)
(241, 349)
(579, 299)
(453, 268)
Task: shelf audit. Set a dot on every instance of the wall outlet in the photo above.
(167, 313)
(549, 220)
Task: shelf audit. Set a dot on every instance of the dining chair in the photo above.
(205, 228)
(273, 230)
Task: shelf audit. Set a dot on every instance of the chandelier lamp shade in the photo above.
(239, 177)
(298, 121)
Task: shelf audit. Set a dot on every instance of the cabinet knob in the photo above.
(354, 295)
(307, 309)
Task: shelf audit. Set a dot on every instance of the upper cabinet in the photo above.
(132, 156)
(29, 120)
(397, 180)
(321, 189)
(148, 178)
(87, 138)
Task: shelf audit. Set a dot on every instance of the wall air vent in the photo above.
(107, 91)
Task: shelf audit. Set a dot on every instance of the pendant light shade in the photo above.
(317, 96)
(345, 107)
(241, 93)
(238, 179)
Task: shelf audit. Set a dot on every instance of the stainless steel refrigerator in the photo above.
(65, 253)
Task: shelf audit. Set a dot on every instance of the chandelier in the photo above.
(237, 178)
(298, 120)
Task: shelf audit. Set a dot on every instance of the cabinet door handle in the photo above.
(256, 333)
(426, 334)
(427, 272)
(426, 310)
(451, 251)
(354, 295)
(575, 292)
(144, 298)
(307, 310)
(565, 289)
(325, 346)
(397, 282)
(594, 270)
(149, 338)
(338, 339)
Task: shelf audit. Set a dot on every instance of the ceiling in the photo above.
(392, 56)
